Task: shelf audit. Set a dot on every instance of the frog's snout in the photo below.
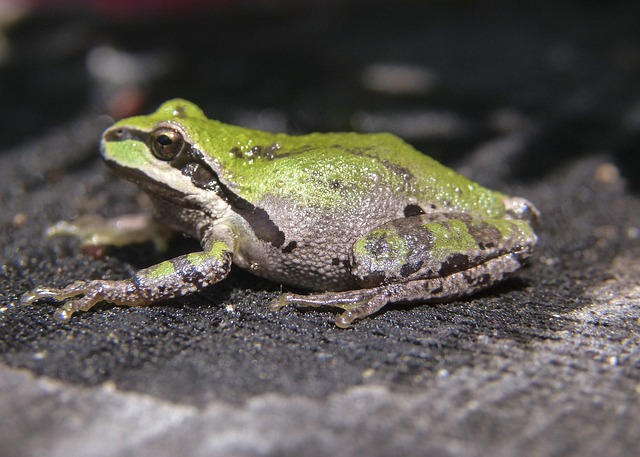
(522, 209)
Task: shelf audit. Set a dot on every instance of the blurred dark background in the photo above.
(445, 75)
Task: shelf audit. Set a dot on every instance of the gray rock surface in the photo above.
(574, 393)
(547, 364)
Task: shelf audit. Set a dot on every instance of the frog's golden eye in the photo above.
(166, 143)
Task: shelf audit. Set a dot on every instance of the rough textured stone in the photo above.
(544, 97)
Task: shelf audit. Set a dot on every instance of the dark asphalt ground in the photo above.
(538, 101)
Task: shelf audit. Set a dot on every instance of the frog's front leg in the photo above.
(95, 230)
(425, 258)
(172, 278)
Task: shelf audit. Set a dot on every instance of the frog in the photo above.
(353, 221)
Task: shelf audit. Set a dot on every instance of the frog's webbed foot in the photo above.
(355, 303)
(65, 312)
(84, 295)
(81, 296)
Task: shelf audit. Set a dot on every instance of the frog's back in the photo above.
(415, 176)
(339, 170)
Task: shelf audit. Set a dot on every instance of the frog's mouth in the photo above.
(145, 182)
(158, 191)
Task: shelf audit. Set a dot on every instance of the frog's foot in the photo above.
(361, 303)
(81, 296)
(94, 230)
(355, 303)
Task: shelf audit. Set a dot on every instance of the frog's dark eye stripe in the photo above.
(167, 143)
(201, 176)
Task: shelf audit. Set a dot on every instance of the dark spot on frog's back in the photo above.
(336, 262)
(409, 268)
(413, 210)
(477, 280)
(257, 152)
(455, 263)
(485, 234)
(267, 152)
(483, 279)
(290, 247)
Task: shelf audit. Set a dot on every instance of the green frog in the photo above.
(365, 220)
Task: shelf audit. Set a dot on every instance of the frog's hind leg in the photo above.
(355, 303)
(358, 304)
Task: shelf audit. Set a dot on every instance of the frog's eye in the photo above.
(166, 143)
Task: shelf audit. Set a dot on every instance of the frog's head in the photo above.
(163, 152)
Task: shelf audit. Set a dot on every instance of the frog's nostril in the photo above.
(117, 134)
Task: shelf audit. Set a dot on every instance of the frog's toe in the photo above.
(41, 294)
(64, 313)
(278, 303)
(69, 308)
(87, 299)
(28, 298)
(53, 293)
(361, 310)
(345, 319)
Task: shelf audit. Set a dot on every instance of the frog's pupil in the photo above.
(164, 140)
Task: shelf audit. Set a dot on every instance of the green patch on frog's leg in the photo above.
(436, 245)
(172, 278)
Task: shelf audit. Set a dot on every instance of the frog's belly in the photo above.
(317, 246)
(314, 257)
(317, 265)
